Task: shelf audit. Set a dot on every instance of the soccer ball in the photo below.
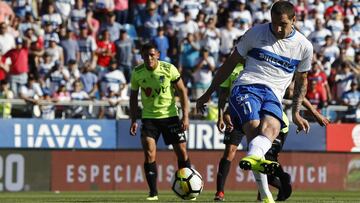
(187, 183)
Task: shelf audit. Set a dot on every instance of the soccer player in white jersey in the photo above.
(272, 53)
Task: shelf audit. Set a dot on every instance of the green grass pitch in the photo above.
(167, 196)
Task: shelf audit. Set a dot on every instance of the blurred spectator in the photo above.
(211, 39)
(240, 14)
(74, 74)
(124, 54)
(263, 14)
(335, 24)
(105, 52)
(176, 17)
(162, 44)
(45, 67)
(189, 53)
(318, 77)
(51, 17)
(316, 99)
(28, 23)
(6, 13)
(62, 94)
(70, 47)
(102, 8)
(78, 94)
(5, 93)
(188, 26)
(335, 7)
(47, 109)
(121, 9)
(330, 50)
(317, 37)
(317, 5)
(191, 6)
(7, 41)
(209, 7)
(344, 78)
(351, 99)
(113, 79)
(349, 50)
(111, 26)
(55, 51)
(89, 80)
(350, 10)
(148, 23)
(304, 25)
(77, 16)
(92, 24)
(203, 73)
(56, 76)
(87, 46)
(301, 6)
(63, 7)
(19, 68)
(31, 93)
(200, 20)
(228, 34)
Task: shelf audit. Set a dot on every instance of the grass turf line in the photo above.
(168, 196)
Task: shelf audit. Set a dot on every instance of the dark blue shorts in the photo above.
(252, 102)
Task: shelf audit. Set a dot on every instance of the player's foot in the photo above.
(258, 164)
(285, 190)
(152, 198)
(193, 199)
(268, 200)
(219, 196)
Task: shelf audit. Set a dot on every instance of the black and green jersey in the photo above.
(157, 92)
(230, 80)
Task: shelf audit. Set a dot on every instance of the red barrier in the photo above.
(110, 170)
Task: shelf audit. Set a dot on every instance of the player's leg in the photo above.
(173, 134)
(149, 137)
(281, 180)
(223, 170)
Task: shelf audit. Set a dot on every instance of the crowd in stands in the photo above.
(86, 50)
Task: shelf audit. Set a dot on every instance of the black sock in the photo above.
(274, 181)
(184, 164)
(151, 177)
(224, 167)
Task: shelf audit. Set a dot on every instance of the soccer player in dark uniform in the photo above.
(158, 82)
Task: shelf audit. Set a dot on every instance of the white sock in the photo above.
(262, 185)
(259, 146)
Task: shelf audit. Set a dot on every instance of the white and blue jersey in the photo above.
(269, 69)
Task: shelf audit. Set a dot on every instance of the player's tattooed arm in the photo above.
(299, 91)
(298, 97)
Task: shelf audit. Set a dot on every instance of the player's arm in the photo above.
(223, 72)
(182, 92)
(133, 110)
(298, 97)
(320, 119)
(223, 95)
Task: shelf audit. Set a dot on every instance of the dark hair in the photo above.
(283, 7)
(148, 46)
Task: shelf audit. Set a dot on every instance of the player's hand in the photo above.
(301, 123)
(133, 128)
(185, 123)
(228, 123)
(220, 125)
(201, 102)
(320, 119)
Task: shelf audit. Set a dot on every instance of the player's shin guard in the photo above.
(151, 177)
(184, 164)
(262, 184)
(224, 167)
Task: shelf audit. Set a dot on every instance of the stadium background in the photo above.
(66, 154)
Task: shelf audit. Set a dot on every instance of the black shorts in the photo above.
(170, 128)
(276, 147)
(234, 137)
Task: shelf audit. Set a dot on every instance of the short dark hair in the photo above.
(148, 46)
(283, 7)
